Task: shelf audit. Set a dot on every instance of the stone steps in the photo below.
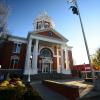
(50, 76)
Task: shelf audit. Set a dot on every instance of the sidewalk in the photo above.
(93, 95)
(46, 93)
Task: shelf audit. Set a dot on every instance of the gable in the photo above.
(49, 34)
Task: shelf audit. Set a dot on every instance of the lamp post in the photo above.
(29, 79)
(75, 10)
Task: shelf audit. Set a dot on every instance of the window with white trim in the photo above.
(14, 62)
(16, 47)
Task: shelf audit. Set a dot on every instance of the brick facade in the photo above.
(22, 56)
(6, 53)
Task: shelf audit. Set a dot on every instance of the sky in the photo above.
(23, 12)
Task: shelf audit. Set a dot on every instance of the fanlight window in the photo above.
(45, 53)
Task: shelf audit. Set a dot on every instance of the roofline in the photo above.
(49, 29)
(60, 35)
(17, 37)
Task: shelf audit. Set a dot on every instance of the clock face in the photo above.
(50, 33)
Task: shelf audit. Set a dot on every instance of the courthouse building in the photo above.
(43, 51)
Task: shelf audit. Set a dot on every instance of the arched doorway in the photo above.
(46, 56)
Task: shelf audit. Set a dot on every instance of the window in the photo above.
(39, 25)
(16, 48)
(14, 63)
(46, 53)
(46, 25)
(50, 33)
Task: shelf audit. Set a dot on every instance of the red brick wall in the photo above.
(54, 63)
(22, 56)
(70, 58)
(55, 50)
(46, 34)
(6, 54)
(1, 54)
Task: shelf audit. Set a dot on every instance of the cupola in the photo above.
(43, 21)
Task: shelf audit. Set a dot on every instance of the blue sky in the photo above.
(23, 12)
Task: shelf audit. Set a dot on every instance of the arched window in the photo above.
(46, 53)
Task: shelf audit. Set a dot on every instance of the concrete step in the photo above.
(48, 76)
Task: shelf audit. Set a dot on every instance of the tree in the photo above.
(96, 60)
(3, 19)
(4, 33)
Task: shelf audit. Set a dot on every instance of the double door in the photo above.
(46, 68)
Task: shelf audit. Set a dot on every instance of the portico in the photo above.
(46, 49)
(41, 62)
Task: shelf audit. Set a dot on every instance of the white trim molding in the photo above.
(47, 39)
(17, 39)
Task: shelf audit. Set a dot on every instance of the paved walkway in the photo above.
(46, 93)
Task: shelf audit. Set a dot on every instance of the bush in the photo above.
(11, 93)
(14, 89)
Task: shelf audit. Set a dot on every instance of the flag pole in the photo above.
(85, 41)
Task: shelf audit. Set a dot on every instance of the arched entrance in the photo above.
(46, 56)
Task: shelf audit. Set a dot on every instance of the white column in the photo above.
(58, 67)
(62, 59)
(67, 62)
(27, 60)
(66, 57)
(35, 57)
(51, 67)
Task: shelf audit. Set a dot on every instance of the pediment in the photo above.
(51, 33)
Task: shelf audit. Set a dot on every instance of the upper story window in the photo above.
(16, 47)
(46, 25)
(39, 25)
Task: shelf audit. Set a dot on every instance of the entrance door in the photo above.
(46, 68)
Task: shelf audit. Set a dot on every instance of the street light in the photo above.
(29, 79)
(76, 11)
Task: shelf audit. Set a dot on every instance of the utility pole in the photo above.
(75, 10)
